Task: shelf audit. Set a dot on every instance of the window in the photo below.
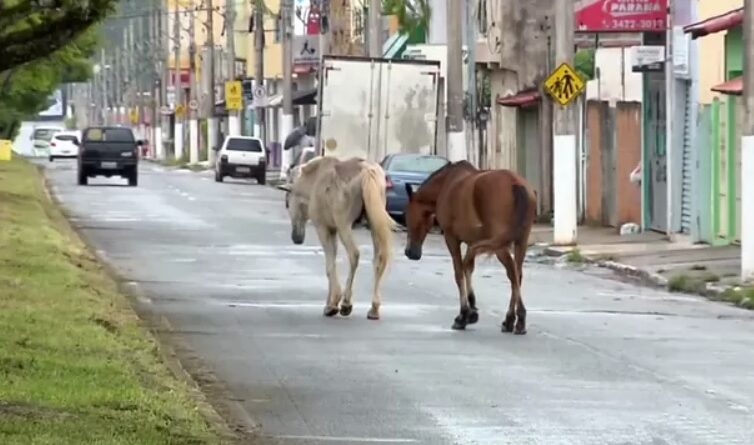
(109, 135)
(66, 137)
(237, 144)
(417, 164)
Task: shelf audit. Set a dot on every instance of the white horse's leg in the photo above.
(346, 236)
(380, 265)
(330, 246)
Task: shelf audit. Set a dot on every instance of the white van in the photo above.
(41, 137)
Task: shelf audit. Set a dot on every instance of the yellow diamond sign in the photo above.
(233, 95)
(564, 84)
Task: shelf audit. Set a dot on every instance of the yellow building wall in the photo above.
(712, 49)
(273, 52)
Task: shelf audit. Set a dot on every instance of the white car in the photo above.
(65, 144)
(241, 157)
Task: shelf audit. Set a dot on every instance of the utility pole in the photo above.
(117, 67)
(260, 125)
(669, 118)
(164, 56)
(177, 87)
(747, 149)
(234, 124)
(210, 106)
(286, 126)
(454, 82)
(102, 118)
(193, 117)
(375, 28)
(564, 141)
(471, 8)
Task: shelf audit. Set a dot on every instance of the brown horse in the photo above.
(488, 210)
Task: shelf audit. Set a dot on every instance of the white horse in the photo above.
(334, 194)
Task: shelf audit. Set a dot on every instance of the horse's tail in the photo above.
(380, 223)
(521, 227)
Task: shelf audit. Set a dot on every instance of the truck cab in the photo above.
(108, 151)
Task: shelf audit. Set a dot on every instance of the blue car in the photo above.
(404, 168)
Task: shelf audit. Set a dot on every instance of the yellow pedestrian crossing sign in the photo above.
(564, 84)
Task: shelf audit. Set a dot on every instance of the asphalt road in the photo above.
(603, 363)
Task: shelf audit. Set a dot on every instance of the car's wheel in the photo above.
(133, 178)
(262, 177)
(52, 158)
(83, 178)
(218, 176)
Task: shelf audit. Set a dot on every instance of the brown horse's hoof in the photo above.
(459, 324)
(473, 317)
(330, 311)
(373, 314)
(520, 330)
(507, 326)
(345, 309)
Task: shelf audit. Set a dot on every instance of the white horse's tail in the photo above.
(380, 223)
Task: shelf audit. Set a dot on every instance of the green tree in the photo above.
(413, 15)
(24, 90)
(33, 29)
(583, 61)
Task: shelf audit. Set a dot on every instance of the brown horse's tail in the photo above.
(380, 223)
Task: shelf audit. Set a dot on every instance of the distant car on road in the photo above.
(406, 168)
(241, 157)
(65, 144)
(108, 151)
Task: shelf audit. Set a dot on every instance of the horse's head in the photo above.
(297, 200)
(419, 218)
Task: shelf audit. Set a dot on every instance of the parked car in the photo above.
(65, 144)
(241, 157)
(109, 151)
(405, 168)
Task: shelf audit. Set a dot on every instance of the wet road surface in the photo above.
(603, 363)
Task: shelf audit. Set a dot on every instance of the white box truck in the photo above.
(370, 107)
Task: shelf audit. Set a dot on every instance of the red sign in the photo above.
(621, 15)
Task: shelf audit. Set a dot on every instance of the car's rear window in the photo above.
(237, 144)
(66, 137)
(109, 135)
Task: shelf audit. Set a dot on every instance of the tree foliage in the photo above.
(583, 61)
(25, 90)
(412, 15)
(33, 29)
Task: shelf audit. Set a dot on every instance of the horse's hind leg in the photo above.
(515, 302)
(346, 237)
(520, 255)
(468, 271)
(454, 247)
(380, 266)
(330, 246)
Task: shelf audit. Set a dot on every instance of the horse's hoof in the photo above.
(520, 330)
(345, 309)
(507, 326)
(459, 324)
(373, 315)
(473, 317)
(330, 311)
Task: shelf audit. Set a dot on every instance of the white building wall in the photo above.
(614, 81)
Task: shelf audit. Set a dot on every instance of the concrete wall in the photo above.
(711, 48)
(616, 81)
(614, 151)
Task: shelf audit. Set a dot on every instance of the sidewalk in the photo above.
(681, 266)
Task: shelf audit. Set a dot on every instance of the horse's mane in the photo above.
(446, 167)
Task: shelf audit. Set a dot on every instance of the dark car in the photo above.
(404, 168)
(108, 151)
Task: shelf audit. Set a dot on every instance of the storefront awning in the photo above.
(718, 23)
(522, 99)
(733, 87)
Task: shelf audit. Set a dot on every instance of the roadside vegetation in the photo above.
(76, 366)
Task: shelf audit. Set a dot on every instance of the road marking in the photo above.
(348, 439)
